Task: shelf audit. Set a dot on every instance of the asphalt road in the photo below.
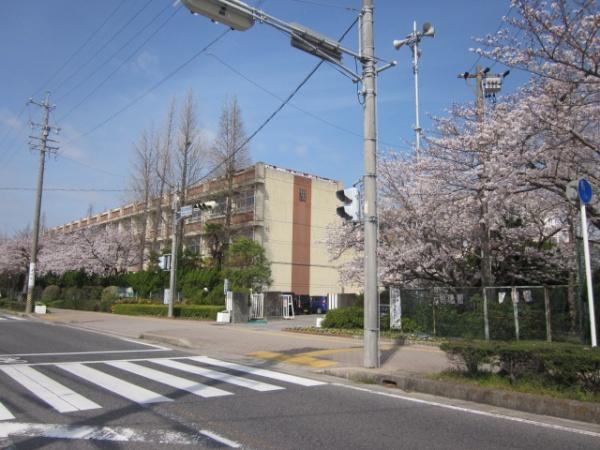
(62, 387)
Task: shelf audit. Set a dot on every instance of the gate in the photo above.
(288, 306)
(257, 302)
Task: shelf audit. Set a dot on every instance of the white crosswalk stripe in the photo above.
(5, 414)
(65, 400)
(171, 380)
(120, 387)
(55, 394)
(225, 377)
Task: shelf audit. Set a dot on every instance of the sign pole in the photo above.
(588, 274)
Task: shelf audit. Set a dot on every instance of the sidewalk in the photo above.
(402, 366)
(259, 341)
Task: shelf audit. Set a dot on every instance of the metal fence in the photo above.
(553, 313)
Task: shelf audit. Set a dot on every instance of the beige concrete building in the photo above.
(287, 212)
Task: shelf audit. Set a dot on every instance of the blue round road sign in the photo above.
(585, 190)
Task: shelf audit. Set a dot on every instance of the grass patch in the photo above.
(358, 333)
(524, 385)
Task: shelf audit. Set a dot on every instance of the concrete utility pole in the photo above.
(43, 147)
(174, 244)
(241, 16)
(485, 267)
(371, 325)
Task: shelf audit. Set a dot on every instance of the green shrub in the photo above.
(110, 293)
(50, 293)
(560, 364)
(349, 317)
(188, 311)
(215, 297)
(12, 305)
(146, 282)
(194, 282)
(76, 303)
(469, 355)
(92, 292)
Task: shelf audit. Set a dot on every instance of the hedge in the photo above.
(188, 311)
(563, 364)
(351, 317)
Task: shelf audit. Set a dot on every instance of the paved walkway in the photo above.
(265, 341)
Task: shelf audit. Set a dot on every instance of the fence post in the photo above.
(515, 302)
(548, 314)
(486, 323)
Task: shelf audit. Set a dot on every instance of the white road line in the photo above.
(120, 387)
(95, 352)
(221, 439)
(3, 318)
(256, 371)
(170, 380)
(225, 377)
(5, 413)
(60, 397)
(15, 318)
(114, 434)
(473, 411)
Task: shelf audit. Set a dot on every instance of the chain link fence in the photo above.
(553, 313)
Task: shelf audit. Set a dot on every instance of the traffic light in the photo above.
(164, 262)
(205, 206)
(351, 208)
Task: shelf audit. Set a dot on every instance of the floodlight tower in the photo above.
(412, 40)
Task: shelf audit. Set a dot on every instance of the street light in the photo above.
(241, 16)
(412, 40)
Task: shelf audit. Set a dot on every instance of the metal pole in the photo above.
(415, 50)
(38, 206)
(173, 274)
(486, 320)
(371, 311)
(588, 275)
(548, 311)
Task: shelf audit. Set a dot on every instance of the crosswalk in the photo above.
(133, 380)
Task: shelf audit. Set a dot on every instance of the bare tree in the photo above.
(229, 153)
(189, 150)
(163, 168)
(143, 183)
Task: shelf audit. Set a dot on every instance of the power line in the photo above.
(10, 188)
(151, 89)
(496, 32)
(304, 111)
(125, 61)
(272, 115)
(113, 36)
(326, 5)
(87, 41)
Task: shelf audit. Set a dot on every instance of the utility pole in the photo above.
(371, 325)
(174, 244)
(240, 16)
(43, 147)
(486, 85)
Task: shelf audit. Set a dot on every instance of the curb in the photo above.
(537, 404)
(179, 342)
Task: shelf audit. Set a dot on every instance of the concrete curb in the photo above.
(169, 340)
(537, 404)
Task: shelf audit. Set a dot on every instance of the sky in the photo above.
(112, 68)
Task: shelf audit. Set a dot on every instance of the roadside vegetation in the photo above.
(562, 370)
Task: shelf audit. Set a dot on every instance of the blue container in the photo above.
(319, 304)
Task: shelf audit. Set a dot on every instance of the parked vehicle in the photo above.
(319, 304)
(302, 304)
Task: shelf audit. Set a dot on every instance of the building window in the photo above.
(302, 194)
